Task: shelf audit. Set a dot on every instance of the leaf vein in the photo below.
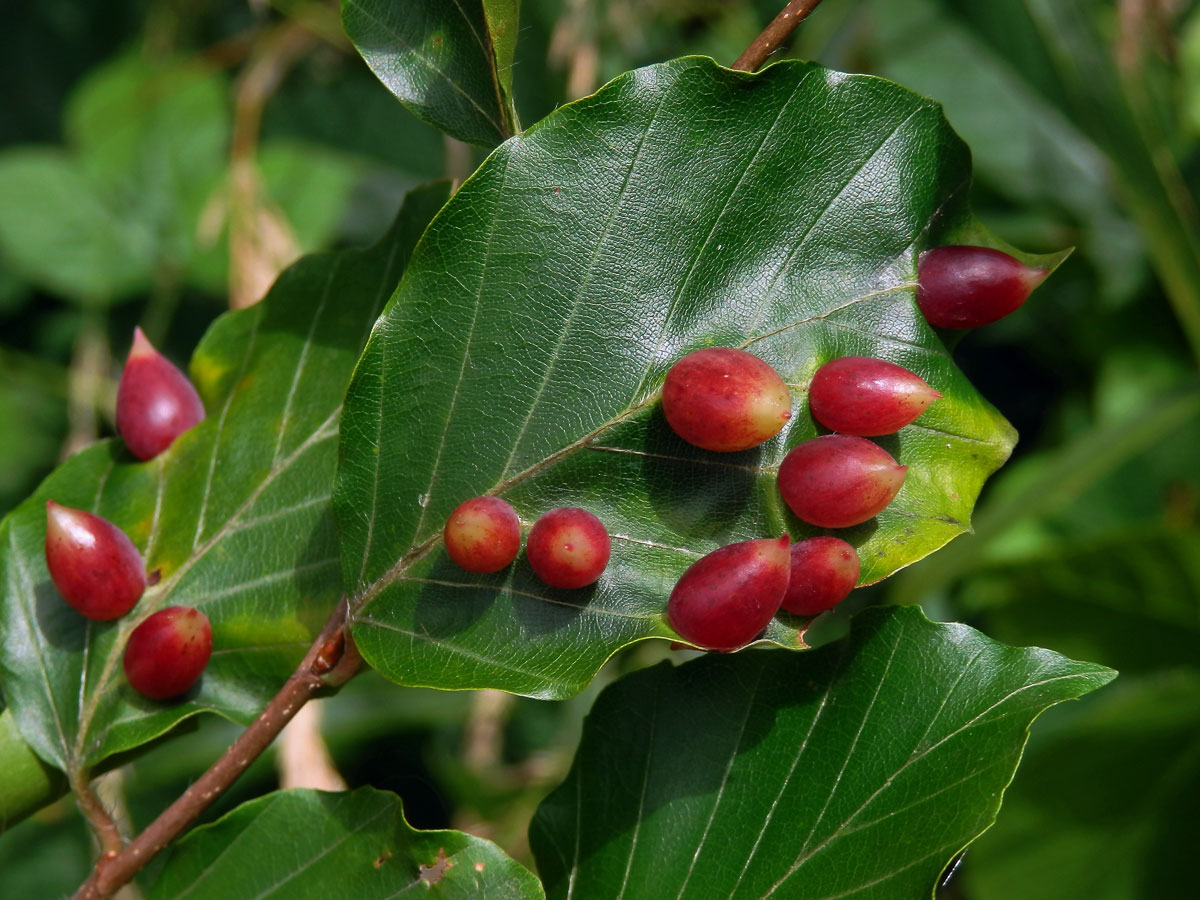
(733, 755)
(285, 419)
(683, 285)
(808, 232)
(577, 301)
(837, 781)
(466, 354)
(35, 641)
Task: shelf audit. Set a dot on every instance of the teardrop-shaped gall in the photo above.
(839, 480)
(962, 286)
(866, 396)
(167, 652)
(824, 571)
(725, 399)
(568, 547)
(155, 401)
(725, 599)
(483, 534)
(92, 562)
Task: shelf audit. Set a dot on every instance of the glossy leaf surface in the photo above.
(234, 518)
(858, 770)
(439, 57)
(683, 205)
(294, 845)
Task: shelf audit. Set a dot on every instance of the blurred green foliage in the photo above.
(1084, 119)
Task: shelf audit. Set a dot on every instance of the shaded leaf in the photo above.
(308, 844)
(33, 404)
(437, 57)
(1058, 46)
(1130, 600)
(1023, 145)
(858, 770)
(682, 205)
(234, 517)
(1104, 806)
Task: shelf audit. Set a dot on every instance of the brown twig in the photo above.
(775, 34)
(261, 241)
(331, 660)
(102, 824)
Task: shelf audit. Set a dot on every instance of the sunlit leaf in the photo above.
(28, 782)
(682, 205)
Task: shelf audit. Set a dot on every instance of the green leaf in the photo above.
(1023, 145)
(29, 784)
(153, 138)
(682, 205)
(312, 187)
(153, 134)
(503, 17)
(438, 59)
(858, 770)
(148, 149)
(294, 845)
(33, 404)
(1130, 600)
(57, 229)
(1104, 807)
(235, 517)
(1077, 476)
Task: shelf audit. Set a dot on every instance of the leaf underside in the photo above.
(683, 205)
(857, 770)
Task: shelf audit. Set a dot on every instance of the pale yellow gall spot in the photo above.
(207, 373)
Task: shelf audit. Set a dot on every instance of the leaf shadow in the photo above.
(696, 492)
(319, 589)
(548, 609)
(59, 624)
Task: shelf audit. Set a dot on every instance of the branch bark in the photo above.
(102, 824)
(775, 34)
(331, 660)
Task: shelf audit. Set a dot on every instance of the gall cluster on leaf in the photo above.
(568, 547)
(724, 399)
(96, 567)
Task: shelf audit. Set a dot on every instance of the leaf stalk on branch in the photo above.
(331, 660)
(775, 34)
